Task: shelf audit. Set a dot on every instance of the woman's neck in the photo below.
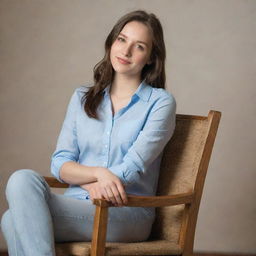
(124, 86)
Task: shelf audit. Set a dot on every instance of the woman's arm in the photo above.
(102, 182)
(77, 174)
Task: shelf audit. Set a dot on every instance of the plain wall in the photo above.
(49, 47)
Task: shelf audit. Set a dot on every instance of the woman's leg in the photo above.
(36, 212)
(73, 221)
(72, 218)
(27, 194)
(14, 246)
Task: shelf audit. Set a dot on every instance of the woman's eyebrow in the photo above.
(136, 41)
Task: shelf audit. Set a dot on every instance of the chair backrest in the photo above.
(183, 169)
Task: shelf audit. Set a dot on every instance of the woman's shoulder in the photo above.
(78, 93)
(81, 90)
(162, 95)
(163, 100)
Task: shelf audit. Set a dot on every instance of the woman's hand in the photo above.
(108, 186)
(94, 190)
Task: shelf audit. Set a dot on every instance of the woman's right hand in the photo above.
(110, 187)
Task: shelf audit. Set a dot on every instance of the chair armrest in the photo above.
(133, 200)
(151, 201)
(54, 183)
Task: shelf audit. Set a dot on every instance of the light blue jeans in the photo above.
(37, 218)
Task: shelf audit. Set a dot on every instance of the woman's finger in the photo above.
(105, 194)
(117, 195)
(111, 195)
(122, 193)
(98, 193)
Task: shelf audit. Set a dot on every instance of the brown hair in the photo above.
(153, 73)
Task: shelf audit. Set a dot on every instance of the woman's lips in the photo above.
(122, 61)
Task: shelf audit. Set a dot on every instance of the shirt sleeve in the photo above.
(150, 142)
(67, 148)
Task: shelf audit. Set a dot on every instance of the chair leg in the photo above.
(99, 231)
(186, 240)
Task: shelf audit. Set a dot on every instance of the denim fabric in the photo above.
(129, 144)
(37, 217)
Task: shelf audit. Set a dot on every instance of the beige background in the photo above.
(49, 47)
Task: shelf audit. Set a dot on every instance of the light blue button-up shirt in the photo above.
(129, 144)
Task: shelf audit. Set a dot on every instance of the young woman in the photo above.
(110, 145)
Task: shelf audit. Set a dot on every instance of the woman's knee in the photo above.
(20, 179)
(23, 181)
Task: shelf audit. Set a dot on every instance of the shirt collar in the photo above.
(143, 91)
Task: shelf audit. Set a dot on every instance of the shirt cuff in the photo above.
(56, 166)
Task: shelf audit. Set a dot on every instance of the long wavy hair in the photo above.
(153, 73)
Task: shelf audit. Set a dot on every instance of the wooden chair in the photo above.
(182, 175)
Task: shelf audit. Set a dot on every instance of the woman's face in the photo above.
(131, 50)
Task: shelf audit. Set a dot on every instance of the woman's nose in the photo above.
(127, 51)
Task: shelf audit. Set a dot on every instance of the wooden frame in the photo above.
(191, 199)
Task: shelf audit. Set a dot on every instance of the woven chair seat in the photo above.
(160, 247)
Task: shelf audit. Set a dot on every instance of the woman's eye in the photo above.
(140, 47)
(120, 39)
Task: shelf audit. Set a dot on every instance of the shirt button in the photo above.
(106, 146)
(108, 133)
